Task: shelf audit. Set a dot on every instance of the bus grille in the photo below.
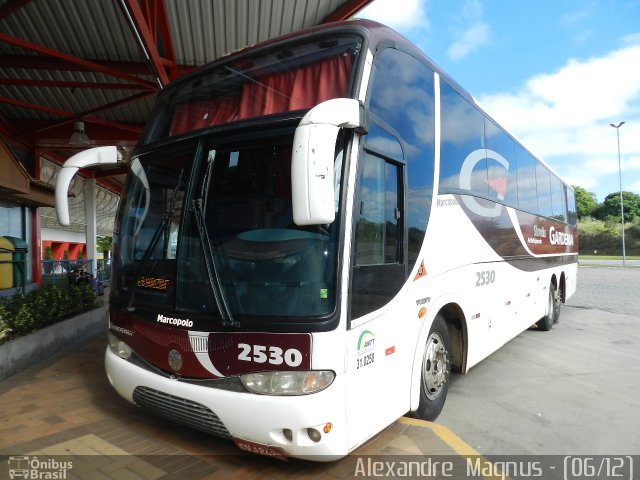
(180, 410)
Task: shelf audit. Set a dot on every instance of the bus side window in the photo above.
(379, 212)
(379, 269)
(402, 101)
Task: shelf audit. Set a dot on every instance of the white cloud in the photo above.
(472, 31)
(564, 118)
(398, 15)
(634, 187)
(631, 39)
(578, 16)
(472, 39)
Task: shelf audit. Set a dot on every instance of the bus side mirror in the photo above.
(84, 159)
(314, 144)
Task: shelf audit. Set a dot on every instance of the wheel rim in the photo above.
(434, 366)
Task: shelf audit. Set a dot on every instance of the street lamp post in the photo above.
(617, 127)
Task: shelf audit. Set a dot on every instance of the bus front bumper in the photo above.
(263, 424)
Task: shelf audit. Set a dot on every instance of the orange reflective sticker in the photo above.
(421, 272)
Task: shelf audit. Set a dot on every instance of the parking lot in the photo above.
(573, 390)
(615, 290)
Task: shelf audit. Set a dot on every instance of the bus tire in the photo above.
(557, 303)
(435, 371)
(553, 310)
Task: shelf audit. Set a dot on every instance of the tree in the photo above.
(48, 256)
(610, 208)
(104, 244)
(586, 202)
(67, 264)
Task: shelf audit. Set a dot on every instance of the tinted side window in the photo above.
(501, 167)
(557, 199)
(462, 134)
(380, 141)
(572, 214)
(526, 179)
(377, 223)
(378, 269)
(402, 97)
(543, 180)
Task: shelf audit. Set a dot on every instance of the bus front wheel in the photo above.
(435, 371)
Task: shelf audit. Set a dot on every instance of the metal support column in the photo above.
(90, 215)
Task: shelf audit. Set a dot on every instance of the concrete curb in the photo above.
(23, 352)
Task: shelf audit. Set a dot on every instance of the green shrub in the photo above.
(22, 314)
(605, 237)
(5, 331)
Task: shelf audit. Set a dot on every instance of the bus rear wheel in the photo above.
(435, 372)
(553, 309)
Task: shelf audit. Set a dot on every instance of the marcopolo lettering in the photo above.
(116, 328)
(178, 322)
(560, 238)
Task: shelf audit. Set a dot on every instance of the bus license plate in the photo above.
(260, 449)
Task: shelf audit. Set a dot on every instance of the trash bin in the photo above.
(20, 250)
(6, 267)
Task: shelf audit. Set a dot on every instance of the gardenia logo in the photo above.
(560, 238)
(178, 322)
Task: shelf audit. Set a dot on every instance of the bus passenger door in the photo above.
(376, 375)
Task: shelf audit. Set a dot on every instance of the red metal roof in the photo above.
(103, 61)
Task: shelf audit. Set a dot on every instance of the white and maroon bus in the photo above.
(314, 233)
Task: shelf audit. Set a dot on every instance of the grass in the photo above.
(607, 257)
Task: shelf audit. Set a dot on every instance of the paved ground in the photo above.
(64, 410)
(615, 290)
(573, 390)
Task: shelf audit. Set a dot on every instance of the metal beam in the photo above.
(164, 32)
(33, 106)
(26, 82)
(8, 8)
(141, 28)
(347, 10)
(108, 106)
(69, 115)
(46, 130)
(48, 63)
(75, 60)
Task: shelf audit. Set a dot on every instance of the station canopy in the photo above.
(97, 65)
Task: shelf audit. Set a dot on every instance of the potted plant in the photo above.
(48, 260)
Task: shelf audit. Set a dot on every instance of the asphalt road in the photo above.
(573, 390)
(615, 290)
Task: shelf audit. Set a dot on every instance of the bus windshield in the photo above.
(227, 245)
(275, 79)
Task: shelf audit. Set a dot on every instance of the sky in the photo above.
(555, 73)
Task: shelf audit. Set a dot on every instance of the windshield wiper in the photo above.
(166, 219)
(213, 275)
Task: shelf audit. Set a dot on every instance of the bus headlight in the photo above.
(288, 383)
(119, 347)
